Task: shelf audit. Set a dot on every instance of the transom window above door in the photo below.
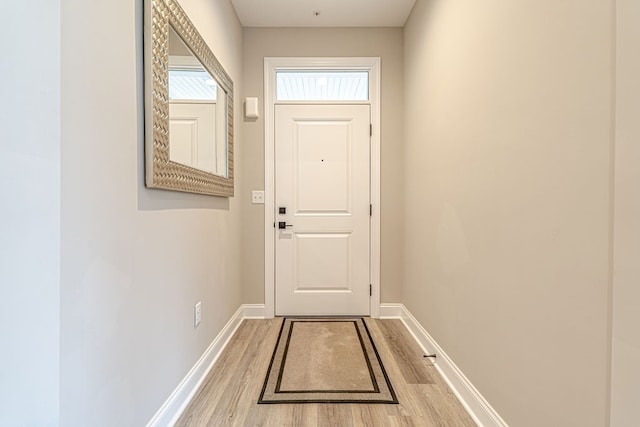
(322, 85)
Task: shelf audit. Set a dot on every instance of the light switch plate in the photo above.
(257, 197)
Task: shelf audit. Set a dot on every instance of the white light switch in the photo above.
(257, 197)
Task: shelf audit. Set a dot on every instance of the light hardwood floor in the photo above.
(229, 394)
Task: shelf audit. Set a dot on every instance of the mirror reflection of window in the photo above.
(195, 84)
(197, 112)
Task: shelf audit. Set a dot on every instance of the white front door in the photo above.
(322, 186)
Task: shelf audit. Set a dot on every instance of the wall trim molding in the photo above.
(176, 403)
(474, 403)
(253, 311)
(391, 311)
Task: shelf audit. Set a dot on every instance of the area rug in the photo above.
(321, 360)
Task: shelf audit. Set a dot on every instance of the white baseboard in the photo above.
(391, 311)
(475, 404)
(254, 311)
(173, 407)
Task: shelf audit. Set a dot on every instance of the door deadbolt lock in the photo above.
(283, 225)
(282, 211)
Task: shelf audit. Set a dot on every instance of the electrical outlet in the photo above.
(197, 314)
(257, 197)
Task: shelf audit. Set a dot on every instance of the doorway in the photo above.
(322, 194)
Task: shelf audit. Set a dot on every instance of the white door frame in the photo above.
(271, 66)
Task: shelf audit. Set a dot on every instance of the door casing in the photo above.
(271, 66)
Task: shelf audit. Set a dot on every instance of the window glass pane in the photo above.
(192, 84)
(322, 86)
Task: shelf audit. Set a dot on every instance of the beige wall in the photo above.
(507, 232)
(383, 42)
(625, 381)
(30, 213)
(134, 261)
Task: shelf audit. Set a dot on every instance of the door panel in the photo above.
(322, 180)
(322, 152)
(322, 261)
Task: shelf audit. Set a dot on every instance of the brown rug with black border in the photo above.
(326, 360)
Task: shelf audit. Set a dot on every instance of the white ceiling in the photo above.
(323, 13)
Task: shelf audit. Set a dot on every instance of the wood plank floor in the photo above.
(229, 394)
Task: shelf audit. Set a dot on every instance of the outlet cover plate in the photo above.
(197, 314)
(257, 197)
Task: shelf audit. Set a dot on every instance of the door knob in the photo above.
(283, 225)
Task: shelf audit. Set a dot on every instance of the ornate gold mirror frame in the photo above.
(160, 171)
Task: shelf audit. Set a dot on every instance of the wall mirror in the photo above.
(188, 106)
